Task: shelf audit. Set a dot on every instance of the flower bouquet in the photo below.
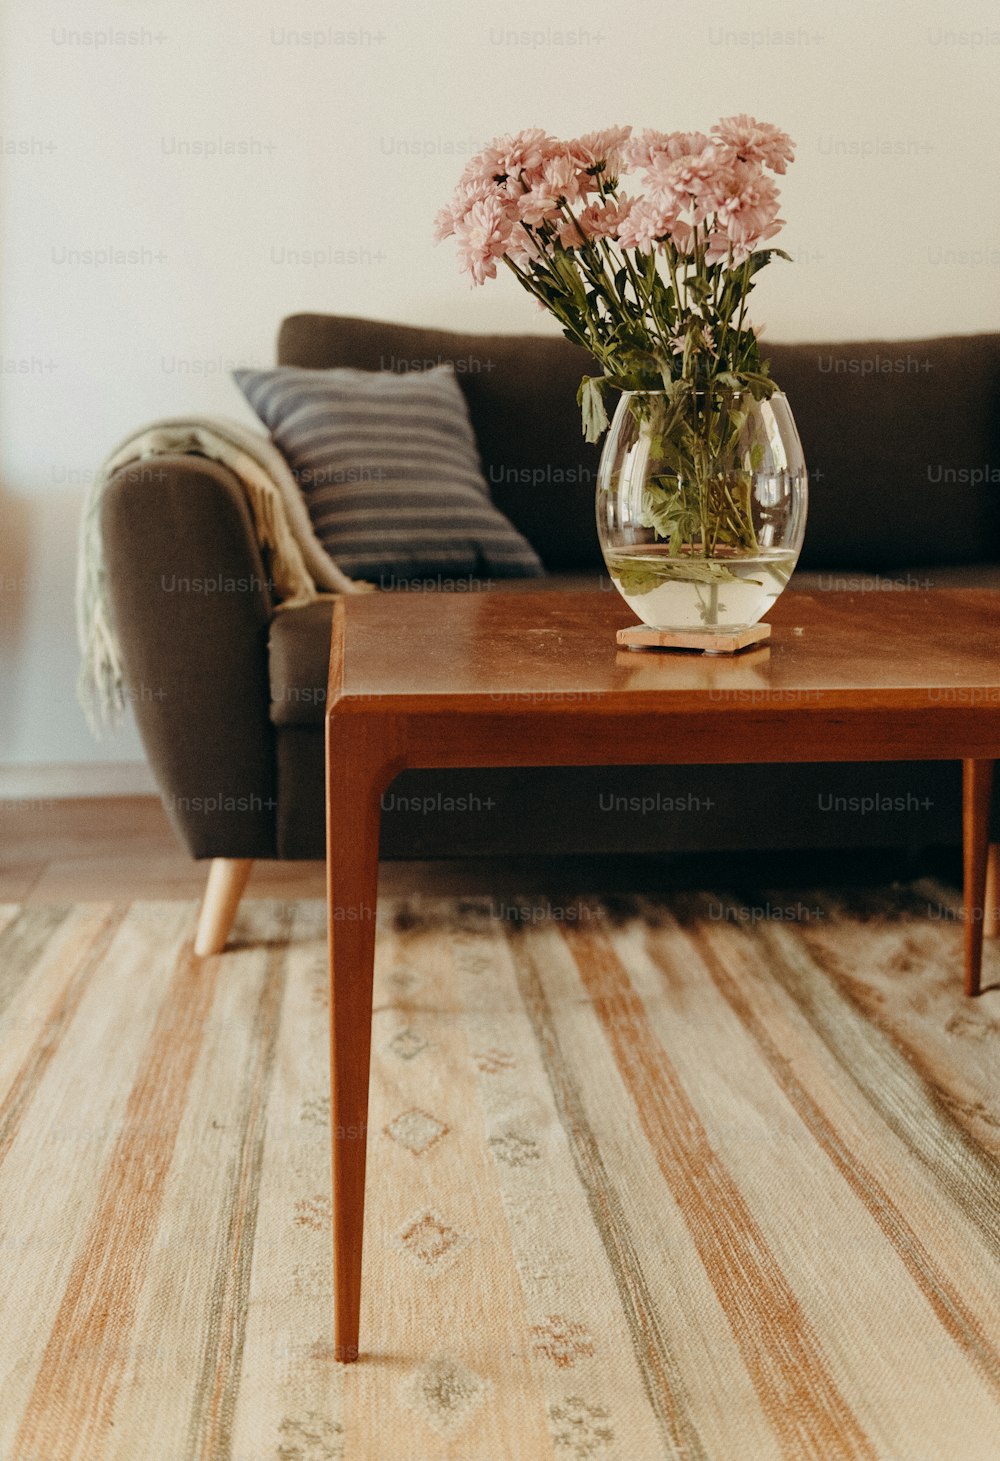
(655, 284)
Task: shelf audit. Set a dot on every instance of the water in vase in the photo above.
(710, 594)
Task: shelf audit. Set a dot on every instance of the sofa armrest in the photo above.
(191, 607)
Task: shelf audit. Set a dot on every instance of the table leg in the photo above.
(977, 795)
(359, 768)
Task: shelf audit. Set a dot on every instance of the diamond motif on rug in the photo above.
(408, 1044)
(430, 1241)
(311, 1280)
(579, 1428)
(310, 1437)
(404, 980)
(444, 1393)
(515, 1150)
(415, 1130)
(563, 1341)
(493, 1061)
(315, 1110)
(315, 1213)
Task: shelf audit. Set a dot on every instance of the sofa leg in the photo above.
(227, 877)
(991, 910)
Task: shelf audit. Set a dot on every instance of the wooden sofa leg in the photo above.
(227, 877)
(991, 899)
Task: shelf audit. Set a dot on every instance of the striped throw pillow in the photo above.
(390, 472)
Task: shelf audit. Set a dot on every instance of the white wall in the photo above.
(350, 147)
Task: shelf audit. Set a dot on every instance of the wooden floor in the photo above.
(116, 847)
(124, 848)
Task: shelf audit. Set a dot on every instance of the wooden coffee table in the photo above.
(535, 679)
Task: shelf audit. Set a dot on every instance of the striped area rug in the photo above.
(688, 1178)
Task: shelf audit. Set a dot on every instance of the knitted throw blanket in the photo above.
(298, 564)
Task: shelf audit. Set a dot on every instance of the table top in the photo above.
(536, 678)
(555, 650)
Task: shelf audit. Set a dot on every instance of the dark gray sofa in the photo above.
(901, 439)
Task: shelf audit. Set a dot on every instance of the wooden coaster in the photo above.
(641, 636)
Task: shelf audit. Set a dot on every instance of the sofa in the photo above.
(901, 439)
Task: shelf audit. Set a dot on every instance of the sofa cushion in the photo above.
(901, 438)
(521, 391)
(389, 471)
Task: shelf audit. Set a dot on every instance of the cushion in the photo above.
(902, 438)
(390, 473)
(521, 391)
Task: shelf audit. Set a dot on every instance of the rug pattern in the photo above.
(647, 1178)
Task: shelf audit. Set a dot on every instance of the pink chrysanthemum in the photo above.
(748, 211)
(751, 141)
(639, 149)
(645, 146)
(557, 181)
(512, 155)
(643, 225)
(605, 219)
(605, 148)
(678, 182)
(465, 195)
(704, 339)
(483, 236)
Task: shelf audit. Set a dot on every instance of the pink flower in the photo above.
(678, 181)
(683, 144)
(556, 182)
(639, 149)
(605, 219)
(682, 236)
(538, 205)
(465, 195)
(571, 233)
(444, 223)
(522, 248)
(718, 246)
(644, 147)
(483, 236)
(748, 140)
(748, 209)
(512, 155)
(515, 197)
(644, 224)
(602, 149)
(702, 335)
(559, 173)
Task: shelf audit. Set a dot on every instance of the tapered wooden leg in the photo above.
(977, 794)
(991, 918)
(227, 878)
(360, 766)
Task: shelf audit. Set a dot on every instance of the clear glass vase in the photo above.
(701, 506)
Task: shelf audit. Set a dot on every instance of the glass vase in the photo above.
(701, 506)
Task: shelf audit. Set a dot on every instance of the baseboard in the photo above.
(81, 779)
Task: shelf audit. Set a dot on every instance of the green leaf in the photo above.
(729, 381)
(590, 398)
(641, 578)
